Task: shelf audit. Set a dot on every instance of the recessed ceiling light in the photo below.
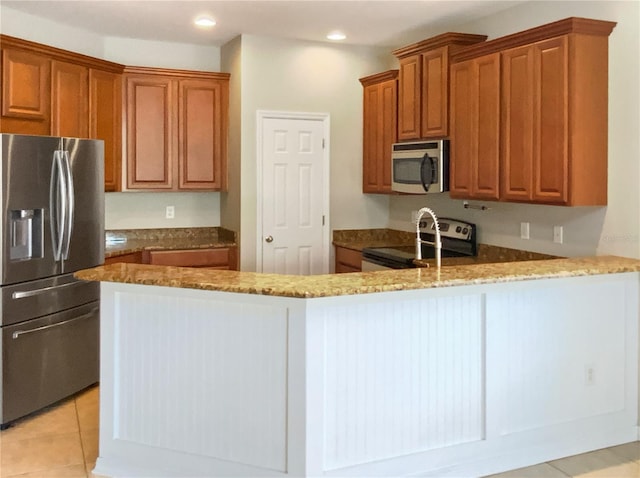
(336, 36)
(205, 21)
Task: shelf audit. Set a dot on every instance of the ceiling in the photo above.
(383, 23)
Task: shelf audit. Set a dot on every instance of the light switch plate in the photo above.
(524, 230)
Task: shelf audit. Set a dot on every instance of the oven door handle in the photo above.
(427, 165)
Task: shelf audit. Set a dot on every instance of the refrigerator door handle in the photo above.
(21, 294)
(70, 206)
(57, 204)
(18, 333)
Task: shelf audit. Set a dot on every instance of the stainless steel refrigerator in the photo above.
(52, 225)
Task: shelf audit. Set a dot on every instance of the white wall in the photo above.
(162, 54)
(131, 210)
(309, 77)
(230, 201)
(614, 229)
(147, 210)
(37, 29)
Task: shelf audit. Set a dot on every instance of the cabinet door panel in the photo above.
(202, 139)
(475, 128)
(105, 122)
(388, 131)
(69, 100)
(551, 156)
(487, 137)
(517, 123)
(26, 97)
(372, 139)
(463, 130)
(149, 133)
(409, 98)
(435, 96)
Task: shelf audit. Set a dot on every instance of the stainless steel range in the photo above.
(458, 240)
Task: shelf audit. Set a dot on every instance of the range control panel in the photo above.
(448, 228)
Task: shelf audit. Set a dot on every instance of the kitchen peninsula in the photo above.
(469, 370)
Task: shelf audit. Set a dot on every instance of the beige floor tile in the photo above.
(55, 420)
(87, 406)
(601, 463)
(89, 439)
(628, 450)
(40, 454)
(73, 471)
(538, 471)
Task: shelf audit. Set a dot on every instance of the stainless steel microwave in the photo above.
(420, 167)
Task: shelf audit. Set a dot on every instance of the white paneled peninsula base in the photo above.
(445, 381)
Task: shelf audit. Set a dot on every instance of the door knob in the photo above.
(269, 239)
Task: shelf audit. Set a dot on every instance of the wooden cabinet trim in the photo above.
(379, 77)
(562, 27)
(58, 54)
(450, 38)
(176, 73)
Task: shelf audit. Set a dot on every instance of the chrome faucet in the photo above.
(419, 241)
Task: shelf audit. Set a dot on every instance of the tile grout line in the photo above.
(84, 462)
(556, 468)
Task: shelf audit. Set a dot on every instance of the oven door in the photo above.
(368, 266)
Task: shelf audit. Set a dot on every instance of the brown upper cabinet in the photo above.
(380, 110)
(26, 91)
(69, 99)
(49, 91)
(553, 120)
(475, 128)
(423, 91)
(105, 122)
(176, 129)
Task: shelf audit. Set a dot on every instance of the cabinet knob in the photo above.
(268, 239)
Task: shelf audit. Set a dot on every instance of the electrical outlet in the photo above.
(524, 230)
(414, 217)
(557, 234)
(170, 212)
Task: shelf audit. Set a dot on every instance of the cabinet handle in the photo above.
(268, 239)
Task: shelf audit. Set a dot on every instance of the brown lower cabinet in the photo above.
(348, 260)
(224, 258)
(134, 257)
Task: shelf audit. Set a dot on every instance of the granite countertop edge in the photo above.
(328, 285)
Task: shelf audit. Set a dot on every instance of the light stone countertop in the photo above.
(136, 240)
(328, 285)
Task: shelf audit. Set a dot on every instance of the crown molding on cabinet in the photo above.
(192, 74)
(445, 39)
(378, 77)
(562, 27)
(7, 41)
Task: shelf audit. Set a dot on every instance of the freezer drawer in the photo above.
(45, 360)
(38, 298)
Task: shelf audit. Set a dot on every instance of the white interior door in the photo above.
(294, 184)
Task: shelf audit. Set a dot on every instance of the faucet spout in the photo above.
(437, 242)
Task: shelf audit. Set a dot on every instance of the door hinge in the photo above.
(323, 220)
(322, 143)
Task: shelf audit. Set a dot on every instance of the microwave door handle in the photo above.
(426, 171)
